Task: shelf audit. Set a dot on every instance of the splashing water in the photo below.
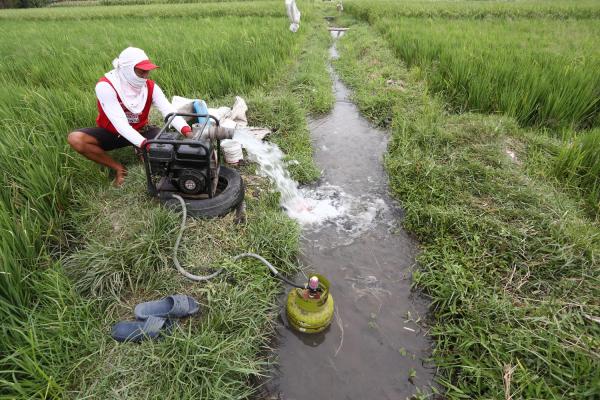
(309, 206)
(270, 160)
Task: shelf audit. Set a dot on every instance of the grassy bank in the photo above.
(78, 254)
(534, 61)
(508, 258)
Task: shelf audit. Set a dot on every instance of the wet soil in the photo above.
(375, 347)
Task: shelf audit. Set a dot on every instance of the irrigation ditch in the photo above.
(376, 346)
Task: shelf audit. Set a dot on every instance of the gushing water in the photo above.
(271, 163)
(270, 160)
(308, 206)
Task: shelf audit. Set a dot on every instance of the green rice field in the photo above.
(535, 61)
(493, 112)
(78, 254)
(538, 70)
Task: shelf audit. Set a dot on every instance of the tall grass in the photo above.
(125, 2)
(55, 328)
(542, 72)
(79, 3)
(578, 164)
(207, 58)
(40, 316)
(158, 10)
(535, 61)
(373, 10)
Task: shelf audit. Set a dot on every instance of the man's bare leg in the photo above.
(89, 147)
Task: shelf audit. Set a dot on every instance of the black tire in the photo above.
(230, 193)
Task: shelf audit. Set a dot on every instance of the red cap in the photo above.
(146, 65)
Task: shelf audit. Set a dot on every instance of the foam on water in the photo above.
(351, 216)
(310, 206)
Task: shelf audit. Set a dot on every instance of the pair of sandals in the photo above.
(154, 317)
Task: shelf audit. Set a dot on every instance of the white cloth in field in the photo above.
(110, 105)
(293, 14)
(234, 117)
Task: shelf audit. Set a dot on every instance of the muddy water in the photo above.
(374, 348)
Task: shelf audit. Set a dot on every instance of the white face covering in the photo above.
(131, 88)
(129, 76)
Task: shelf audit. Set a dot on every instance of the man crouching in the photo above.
(125, 96)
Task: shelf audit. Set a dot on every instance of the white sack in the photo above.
(238, 112)
(183, 105)
(234, 117)
(219, 113)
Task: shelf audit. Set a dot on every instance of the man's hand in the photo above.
(186, 131)
(145, 145)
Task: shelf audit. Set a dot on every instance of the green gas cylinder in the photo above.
(310, 310)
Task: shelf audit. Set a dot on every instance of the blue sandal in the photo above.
(175, 306)
(136, 331)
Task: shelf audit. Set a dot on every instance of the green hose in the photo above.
(200, 278)
(197, 278)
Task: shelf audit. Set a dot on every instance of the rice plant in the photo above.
(578, 164)
(373, 10)
(157, 10)
(542, 72)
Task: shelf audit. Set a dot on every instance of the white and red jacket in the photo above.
(114, 116)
